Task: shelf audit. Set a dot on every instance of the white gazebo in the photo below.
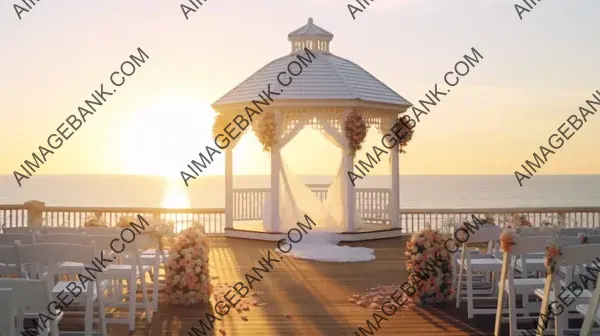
(328, 89)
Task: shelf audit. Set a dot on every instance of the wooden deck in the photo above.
(314, 294)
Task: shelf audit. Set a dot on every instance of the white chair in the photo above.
(49, 254)
(475, 253)
(129, 269)
(467, 263)
(571, 256)
(590, 311)
(153, 258)
(509, 286)
(67, 267)
(33, 298)
(8, 312)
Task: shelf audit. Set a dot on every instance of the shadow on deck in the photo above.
(315, 294)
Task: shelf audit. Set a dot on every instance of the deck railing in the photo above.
(371, 203)
(16, 215)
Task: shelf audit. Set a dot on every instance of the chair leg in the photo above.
(145, 295)
(89, 311)
(132, 285)
(155, 288)
(454, 271)
(459, 285)
(54, 328)
(470, 303)
(101, 311)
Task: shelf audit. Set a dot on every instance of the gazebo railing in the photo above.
(371, 203)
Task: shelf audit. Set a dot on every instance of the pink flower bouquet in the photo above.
(188, 276)
(429, 268)
(507, 240)
(552, 251)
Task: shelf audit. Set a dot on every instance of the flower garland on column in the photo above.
(405, 134)
(219, 124)
(355, 130)
(265, 130)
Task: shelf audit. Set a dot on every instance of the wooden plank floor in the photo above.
(315, 294)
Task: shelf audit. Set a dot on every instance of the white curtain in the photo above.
(297, 200)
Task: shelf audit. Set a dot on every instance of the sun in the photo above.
(161, 139)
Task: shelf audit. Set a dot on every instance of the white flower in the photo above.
(197, 269)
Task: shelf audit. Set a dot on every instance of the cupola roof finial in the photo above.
(310, 36)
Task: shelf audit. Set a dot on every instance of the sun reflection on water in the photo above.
(176, 197)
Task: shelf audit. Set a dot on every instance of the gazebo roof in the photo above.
(328, 77)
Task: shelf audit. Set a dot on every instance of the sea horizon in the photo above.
(416, 191)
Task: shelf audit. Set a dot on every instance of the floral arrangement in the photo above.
(552, 251)
(507, 240)
(219, 124)
(582, 238)
(265, 130)
(425, 250)
(187, 273)
(157, 227)
(405, 135)
(488, 219)
(124, 221)
(355, 129)
(517, 221)
(95, 221)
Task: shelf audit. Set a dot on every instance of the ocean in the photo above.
(416, 191)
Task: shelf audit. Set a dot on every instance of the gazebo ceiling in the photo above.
(328, 77)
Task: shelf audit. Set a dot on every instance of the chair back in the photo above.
(31, 293)
(481, 234)
(20, 229)
(9, 261)
(59, 229)
(49, 254)
(11, 238)
(531, 244)
(573, 232)
(115, 231)
(65, 238)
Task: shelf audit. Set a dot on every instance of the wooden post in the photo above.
(35, 210)
(394, 207)
(229, 187)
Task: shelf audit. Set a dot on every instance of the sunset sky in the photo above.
(535, 73)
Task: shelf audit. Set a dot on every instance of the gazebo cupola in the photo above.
(310, 36)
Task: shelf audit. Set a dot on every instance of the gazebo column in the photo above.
(275, 169)
(350, 192)
(394, 206)
(229, 187)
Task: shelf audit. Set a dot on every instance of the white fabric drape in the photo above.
(297, 200)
